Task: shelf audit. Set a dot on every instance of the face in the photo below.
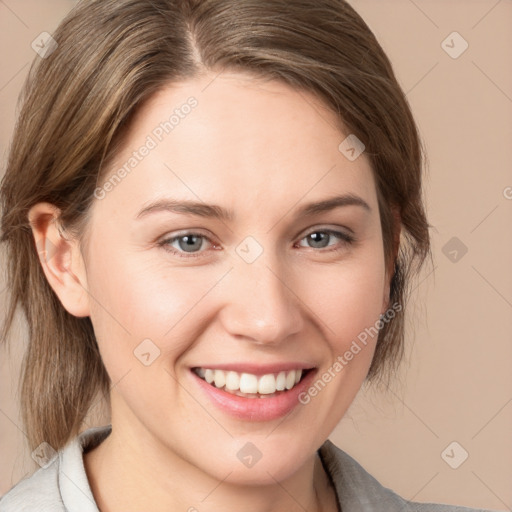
(180, 296)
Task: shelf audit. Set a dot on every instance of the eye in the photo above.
(188, 244)
(319, 239)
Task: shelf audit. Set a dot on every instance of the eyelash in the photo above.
(165, 244)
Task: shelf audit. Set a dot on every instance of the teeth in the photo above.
(281, 381)
(209, 376)
(220, 378)
(247, 383)
(266, 384)
(290, 380)
(232, 381)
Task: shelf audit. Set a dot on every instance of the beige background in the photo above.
(457, 380)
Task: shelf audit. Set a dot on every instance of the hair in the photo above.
(113, 55)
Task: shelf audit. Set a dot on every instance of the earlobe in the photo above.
(60, 258)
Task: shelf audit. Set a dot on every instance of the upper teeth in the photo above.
(250, 383)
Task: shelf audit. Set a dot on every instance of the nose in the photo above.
(261, 304)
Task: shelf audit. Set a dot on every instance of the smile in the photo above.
(253, 392)
(249, 385)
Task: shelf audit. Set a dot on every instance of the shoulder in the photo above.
(61, 484)
(358, 491)
(40, 491)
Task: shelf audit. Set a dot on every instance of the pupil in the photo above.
(318, 238)
(189, 242)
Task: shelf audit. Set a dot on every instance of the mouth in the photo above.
(250, 385)
(251, 392)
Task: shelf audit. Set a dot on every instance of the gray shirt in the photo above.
(62, 485)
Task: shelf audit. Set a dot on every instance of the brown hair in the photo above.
(112, 55)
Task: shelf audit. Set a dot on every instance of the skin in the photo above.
(263, 150)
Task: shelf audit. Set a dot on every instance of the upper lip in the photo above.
(257, 369)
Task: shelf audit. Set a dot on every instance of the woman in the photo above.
(212, 211)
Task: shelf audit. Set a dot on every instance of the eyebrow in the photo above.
(201, 209)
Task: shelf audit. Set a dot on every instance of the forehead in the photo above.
(237, 141)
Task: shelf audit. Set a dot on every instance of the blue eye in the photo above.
(325, 235)
(189, 244)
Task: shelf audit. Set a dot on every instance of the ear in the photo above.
(60, 258)
(390, 270)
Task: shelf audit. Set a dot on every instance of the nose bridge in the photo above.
(262, 305)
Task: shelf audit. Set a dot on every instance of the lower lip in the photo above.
(256, 409)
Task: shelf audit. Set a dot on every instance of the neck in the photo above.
(130, 472)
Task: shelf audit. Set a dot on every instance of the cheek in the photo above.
(136, 300)
(347, 298)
